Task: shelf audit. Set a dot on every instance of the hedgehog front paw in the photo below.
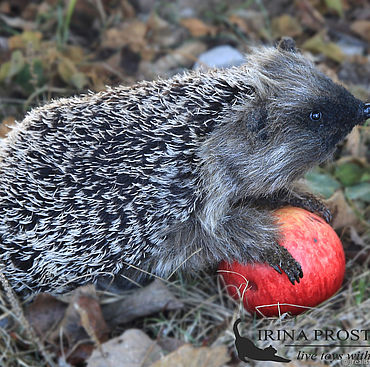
(325, 213)
(314, 205)
(282, 260)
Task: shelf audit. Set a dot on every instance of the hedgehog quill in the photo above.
(183, 172)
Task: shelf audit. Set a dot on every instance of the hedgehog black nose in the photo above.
(367, 111)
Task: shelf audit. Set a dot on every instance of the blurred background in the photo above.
(51, 48)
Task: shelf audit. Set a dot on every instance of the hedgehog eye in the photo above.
(315, 116)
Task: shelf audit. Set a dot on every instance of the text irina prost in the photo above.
(315, 335)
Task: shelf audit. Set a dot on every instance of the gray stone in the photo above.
(351, 46)
(219, 57)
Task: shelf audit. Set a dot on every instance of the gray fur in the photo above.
(171, 173)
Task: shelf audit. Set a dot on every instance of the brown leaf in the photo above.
(81, 327)
(183, 56)
(131, 349)
(51, 55)
(66, 68)
(144, 301)
(343, 215)
(44, 314)
(68, 71)
(188, 356)
(83, 318)
(130, 33)
(286, 25)
(197, 27)
(80, 355)
(163, 34)
(26, 39)
(239, 22)
(319, 44)
(156, 24)
(5, 7)
(79, 322)
(98, 76)
(6, 124)
(362, 28)
(30, 12)
(74, 53)
(355, 144)
(309, 16)
(250, 22)
(169, 344)
(113, 38)
(128, 11)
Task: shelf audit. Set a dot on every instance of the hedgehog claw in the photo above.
(282, 261)
(277, 269)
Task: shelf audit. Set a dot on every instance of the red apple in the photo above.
(315, 245)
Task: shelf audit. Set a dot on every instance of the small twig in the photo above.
(19, 316)
(101, 11)
(45, 88)
(177, 268)
(12, 100)
(113, 71)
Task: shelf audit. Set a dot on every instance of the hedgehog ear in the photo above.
(286, 44)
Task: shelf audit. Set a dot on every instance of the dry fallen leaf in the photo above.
(128, 11)
(83, 326)
(343, 215)
(362, 28)
(319, 44)
(309, 16)
(197, 27)
(97, 74)
(5, 8)
(131, 349)
(286, 25)
(129, 33)
(183, 56)
(355, 145)
(78, 322)
(25, 39)
(188, 356)
(45, 313)
(83, 318)
(6, 124)
(74, 53)
(239, 22)
(162, 34)
(68, 71)
(142, 302)
(30, 11)
(250, 22)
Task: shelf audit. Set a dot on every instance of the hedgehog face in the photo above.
(318, 122)
(295, 121)
(333, 116)
(305, 106)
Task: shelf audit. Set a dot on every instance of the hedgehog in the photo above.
(141, 181)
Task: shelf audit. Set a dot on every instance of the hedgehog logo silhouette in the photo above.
(246, 349)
